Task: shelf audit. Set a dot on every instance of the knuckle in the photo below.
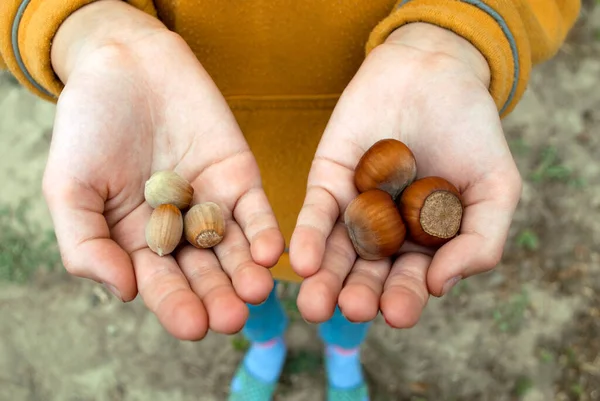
(48, 186)
(512, 183)
(59, 191)
(73, 268)
(491, 259)
(517, 180)
(371, 277)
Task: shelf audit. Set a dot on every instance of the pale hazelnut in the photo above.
(168, 187)
(164, 229)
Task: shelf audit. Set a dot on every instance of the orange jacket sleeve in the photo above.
(27, 28)
(513, 35)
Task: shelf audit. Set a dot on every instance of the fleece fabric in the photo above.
(282, 64)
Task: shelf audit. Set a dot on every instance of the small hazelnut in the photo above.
(374, 225)
(388, 165)
(168, 187)
(204, 225)
(432, 210)
(164, 230)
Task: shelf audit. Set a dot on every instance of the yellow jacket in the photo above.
(282, 64)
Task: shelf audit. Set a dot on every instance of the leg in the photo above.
(259, 371)
(342, 340)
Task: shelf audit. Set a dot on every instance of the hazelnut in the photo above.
(388, 165)
(432, 209)
(168, 187)
(204, 225)
(374, 225)
(164, 230)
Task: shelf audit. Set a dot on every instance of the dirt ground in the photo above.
(529, 330)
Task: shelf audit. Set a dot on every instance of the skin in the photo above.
(110, 57)
(124, 113)
(428, 88)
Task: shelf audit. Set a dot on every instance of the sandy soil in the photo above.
(529, 330)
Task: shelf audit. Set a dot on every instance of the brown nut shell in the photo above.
(432, 209)
(388, 165)
(374, 225)
(204, 225)
(164, 230)
(168, 187)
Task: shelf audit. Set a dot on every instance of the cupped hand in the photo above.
(122, 116)
(438, 104)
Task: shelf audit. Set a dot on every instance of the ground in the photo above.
(529, 330)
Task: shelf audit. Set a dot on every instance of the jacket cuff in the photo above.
(493, 27)
(27, 29)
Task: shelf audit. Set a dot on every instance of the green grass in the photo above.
(550, 168)
(462, 287)
(528, 240)
(547, 356)
(288, 300)
(303, 361)
(518, 146)
(240, 343)
(577, 389)
(522, 386)
(24, 247)
(509, 316)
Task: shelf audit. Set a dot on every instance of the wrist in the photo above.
(100, 24)
(431, 40)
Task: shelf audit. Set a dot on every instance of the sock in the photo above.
(259, 371)
(345, 375)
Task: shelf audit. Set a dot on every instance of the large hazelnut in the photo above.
(432, 209)
(388, 165)
(204, 225)
(374, 225)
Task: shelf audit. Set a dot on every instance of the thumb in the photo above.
(489, 207)
(84, 237)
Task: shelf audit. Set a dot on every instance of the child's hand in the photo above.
(127, 111)
(428, 88)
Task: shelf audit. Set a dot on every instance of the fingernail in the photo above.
(114, 291)
(450, 283)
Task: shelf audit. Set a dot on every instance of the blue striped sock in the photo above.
(345, 375)
(259, 372)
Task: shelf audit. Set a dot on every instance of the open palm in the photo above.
(445, 114)
(121, 118)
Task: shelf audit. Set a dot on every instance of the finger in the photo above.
(231, 160)
(330, 185)
(359, 299)
(256, 219)
(167, 293)
(252, 282)
(315, 222)
(83, 236)
(405, 291)
(325, 200)
(227, 313)
(319, 293)
(489, 208)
